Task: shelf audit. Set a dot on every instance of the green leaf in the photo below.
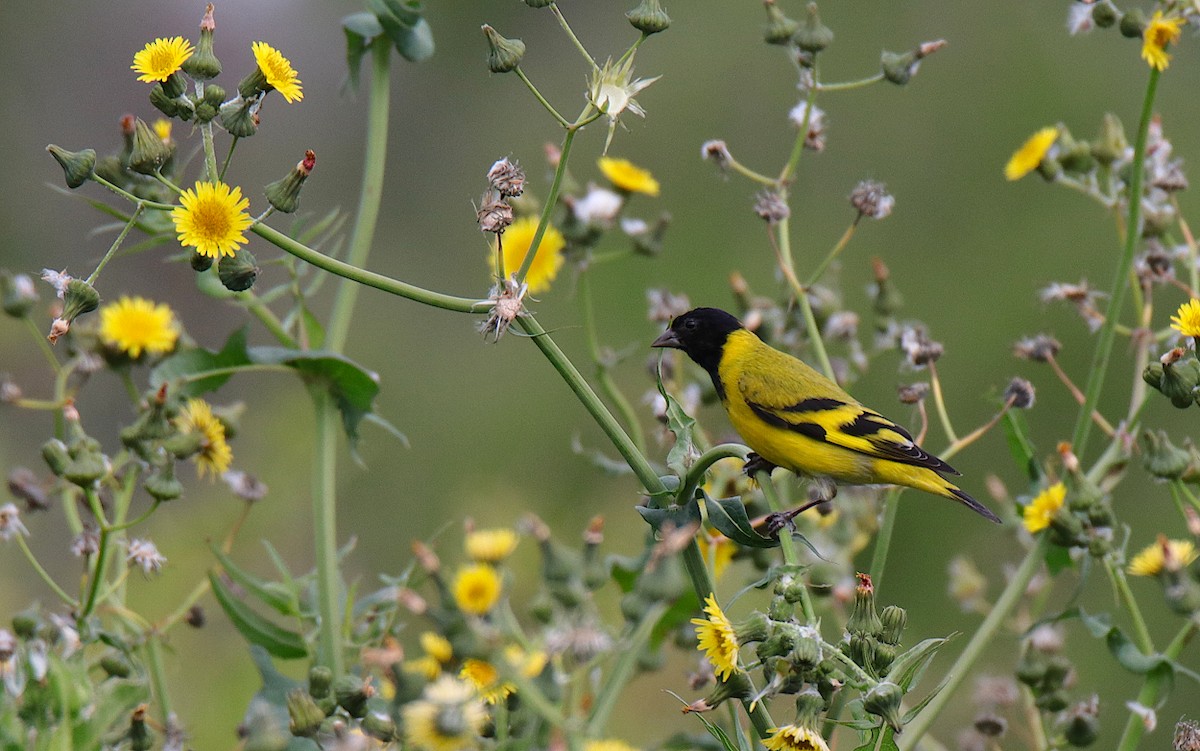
(280, 642)
(1019, 444)
(1058, 559)
(312, 328)
(115, 699)
(675, 517)
(882, 738)
(402, 22)
(680, 612)
(728, 516)
(277, 596)
(683, 452)
(717, 732)
(352, 387)
(906, 671)
(177, 369)
(360, 29)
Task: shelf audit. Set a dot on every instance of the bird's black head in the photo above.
(701, 333)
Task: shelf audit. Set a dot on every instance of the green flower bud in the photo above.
(200, 262)
(238, 271)
(1058, 668)
(1153, 375)
(883, 700)
(778, 644)
(18, 294)
(809, 706)
(239, 116)
(542, 608)
(162, 484)
(380, 726)
(206, 113)
(1050, 169)
(1162, 458)
(755, 628)
(79, 298)
(305, 716)
(864, 620)
(504, 55)
(1111, 144)
(808, 650)
(861, 649)
(56, 455)
(320, 681)
(352, 694)
(779, 29)
(26, 624)
(1104, 14)
(1182, 593)
(87, 463)
(885, 655)
(149, 151)
(1081, 728)
(813, 36)
(1075, 156)
(214, 95)
(1052, 701)
(115, 665)
(1181, 373)
(78, 166)
(898, 67)
(284, 194)
(1133, 23)
(203, 64)
(141, 738)
(649, 17)
(1031, 669)
(167, 105)
(789, 584)
(894, 619)
(183, 445)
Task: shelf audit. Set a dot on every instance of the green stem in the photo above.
(939, 404)
(259, 309)
(814, 337)
(43, 345)
(835, 252)
(1152, 685)
(324, 510)
(369, 278)
(97, 575)
(850, 85)
(883, 539)
(538, 95)
(603, 376)
(370, 194)
(116, 244)
(574, 39)
(793, 161)
(210, 151)
(228, 157)
(131, 197)
(551, 200)
(1104, 344)
(622, 670)
(983, 637)
(42, 573)
(135, 521)
(1121, 587)
(746, 172)
(786, 543)
(696, 472)
(158, 677)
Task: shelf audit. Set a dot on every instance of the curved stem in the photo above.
(1108, 332)
(1120, 585)
(371, 192)
(835, 252)
(939, 404)
(131, 197)
(982, 638)
(696, 472)
(551, 200)
(42, 573)
(1152, 686)
(538, 95)
(850, 85)
(571, 34)
(603, 376)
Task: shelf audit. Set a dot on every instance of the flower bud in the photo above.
(649, 17)
(864, 620)
(380, 726)
(141, 738)
(779, 28)
(887, 299)
(352, 694)
(1133, 23)
(238, 271)
(183, 445)
(304, 714)
(504, 55)
(87, 463)
(861, 648)
(169, 106)
(1181, 373)
(200, 262)
(1052, 701)
(239, 116)
(55, 453)
(893, 618)
(898, 67)
(808, 650)
(755, 628)
(25, 625)
(1162, 458)
(78, 166)
(1074, 156)
(17, 293)
(736, 686)
(1182, 594)
(1111, 144)
(149, 151)
(778, 644)
(813, 36)
(79, 298)
(203, 64)
(883, 700)
(284, 194)
(162, 484)
(115, 665)
(885, 655)
(1081, 728)
(1104, 14)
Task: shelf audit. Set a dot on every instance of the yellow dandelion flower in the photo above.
(795, 738)
(1027, 158)
(530, 664)
(717, 639)
(627, 176)
(436, 646)
(1187, 319)
(718, 550)
(476, 588)
(516, 241)
(1158, 34)
(448, 717)
(160, 58)
(486, 680)
(490, 545)
(212, 219)
(162, 129)
(135, 325)
(278, 71)
(214, 455)
(1163, 555)
(1041, 510)
(608, 744)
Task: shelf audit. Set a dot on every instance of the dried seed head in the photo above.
(991, 725)
(913, 393)
(1020, 393)
(494, 214)
(770, 206)
(86, 543)
(24, 484)
(245, 485)
(145, 555)
(10, 522)
(508, 302)
(842, 325)
(1154, 264)
(507, 178)
(1038, 348)
(814, 138)
(871, 198)
(918, 347)
(718, 152)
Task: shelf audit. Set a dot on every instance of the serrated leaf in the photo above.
(273, 594)
(277, 640)
(674, 517)
(908, 667)
(177, 370)
(882, 738)
(682, 426)
(728, 516)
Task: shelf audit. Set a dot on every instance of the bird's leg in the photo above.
(821, 492)
(755, 464)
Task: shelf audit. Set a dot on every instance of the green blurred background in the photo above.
(491, 427)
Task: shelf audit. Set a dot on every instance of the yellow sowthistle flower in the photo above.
(1041, 510)
(627, 176)
(1164, 554)
(162, 129)
(490, 545)
(278, 71)
(1157, 35)
(718, 641)
(486, 680)
(438, 652)
(476, 588)
(448, 717)
(795, 738)
(214, 456)
(161, 58)
(1187, 319)
(135, 325)
(212, 219)
(516, 241)
(1027, 158)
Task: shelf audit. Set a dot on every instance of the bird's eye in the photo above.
(689, 324)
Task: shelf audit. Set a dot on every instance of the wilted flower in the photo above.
(1019, 393)
(871, 198)
(86, 543)
(58, 280)
(1079, 18)
(1038, 348)
(918, 347)
(770, 206)
(1157, 35)
(144, 554)
(507, 178)
(508, 302)
(613, 89)
(1163, 555)
(718, 152)
(245, 485)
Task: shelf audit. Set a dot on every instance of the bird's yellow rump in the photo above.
(794, 417)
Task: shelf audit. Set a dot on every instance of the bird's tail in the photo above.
(923, 478)
(966, 500)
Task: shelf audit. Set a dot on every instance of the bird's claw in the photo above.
(755, 464)
(779, 521)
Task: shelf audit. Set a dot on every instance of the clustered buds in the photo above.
(1175, 376)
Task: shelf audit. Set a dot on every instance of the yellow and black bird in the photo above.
(794, 417)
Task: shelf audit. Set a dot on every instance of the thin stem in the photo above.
(324, 509)
(167, 182)
(622, 670)
(835, 252)
(206, 135)
(551, 201)
(131, 197)
(850, 85)
(97, 575)
(43, 344)
(158, 677)
(571, 34)
(793, 161)
(746, 172)
(370, 194)
(814, 337)
(786, 543)
(1120, 584)
(1104, 345)
(228, 158)
(116, 244)
(696, 472)
(135, 521)
(1152, 685)
(603, 376)
(42, 573)
(259, 309)
(538, 95)
(939, 404)
(983, 637)
(1078, 395)
(883, 538)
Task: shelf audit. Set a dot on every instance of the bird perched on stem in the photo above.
(794, 417)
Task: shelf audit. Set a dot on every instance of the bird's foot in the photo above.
(755, 464)
(779, 521)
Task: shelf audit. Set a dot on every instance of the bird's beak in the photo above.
(668, 339)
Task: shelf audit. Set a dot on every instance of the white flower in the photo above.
(56, 279)
(10, 522)
(816, 121)
(612, 90)
(144, 554)
(598, 207)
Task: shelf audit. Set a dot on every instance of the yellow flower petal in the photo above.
(516, 241)
(135, 325)
(1187, 319)
(1027, 158)
(1160, 32)
(795, 738)
(490, 545)
(717, 639)
(627, 176)
(1163, 555)
(212, 219)
(160, 58)
(278, 71)
(214, 456)
(477, 588)
(1041, 510)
